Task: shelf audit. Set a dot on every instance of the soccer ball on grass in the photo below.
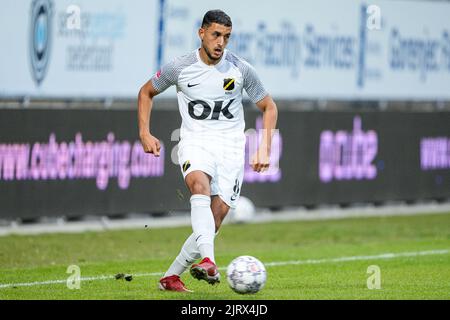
(246, 274)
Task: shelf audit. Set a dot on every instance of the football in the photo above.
(246, 274)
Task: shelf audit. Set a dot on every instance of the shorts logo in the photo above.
(40, 38)
(228, 84)
(186, 165)
(236, 190)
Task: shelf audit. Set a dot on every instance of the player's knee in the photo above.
(199, 188)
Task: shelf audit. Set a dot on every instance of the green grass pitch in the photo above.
(317, 260)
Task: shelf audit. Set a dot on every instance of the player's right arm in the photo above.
(162, 80)
(145, 103)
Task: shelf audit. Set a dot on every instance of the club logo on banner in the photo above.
(40, 38)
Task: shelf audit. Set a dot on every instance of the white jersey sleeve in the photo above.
(169, 73)
(252, 84)
(165, 77)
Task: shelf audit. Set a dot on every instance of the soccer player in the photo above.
(211, 152)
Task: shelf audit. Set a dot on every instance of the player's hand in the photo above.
(260, 160)
(150, 144)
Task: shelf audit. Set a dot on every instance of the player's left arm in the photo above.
(255, 89)
(261, 159)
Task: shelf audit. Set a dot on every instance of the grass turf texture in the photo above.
(38, 258)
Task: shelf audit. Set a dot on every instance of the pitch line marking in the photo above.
(267, 264)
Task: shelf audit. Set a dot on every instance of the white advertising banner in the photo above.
(323, 49)
(348, 49)
(77, 48)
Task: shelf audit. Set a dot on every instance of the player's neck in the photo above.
(205, 58)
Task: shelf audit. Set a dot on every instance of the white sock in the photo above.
(203, 225)
(188, 254)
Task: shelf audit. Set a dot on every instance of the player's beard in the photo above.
(210, 56)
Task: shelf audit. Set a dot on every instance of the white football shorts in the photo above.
(221, 158)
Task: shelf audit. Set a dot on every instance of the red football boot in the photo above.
(206, 270)
(172, 283)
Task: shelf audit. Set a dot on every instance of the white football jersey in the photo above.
(210, 96)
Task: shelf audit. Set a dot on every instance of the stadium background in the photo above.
(362, 92)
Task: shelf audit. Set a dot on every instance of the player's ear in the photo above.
(201, 33)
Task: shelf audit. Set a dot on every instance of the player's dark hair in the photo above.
(216, 16)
